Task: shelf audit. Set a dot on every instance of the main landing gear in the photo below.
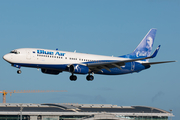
(88, 77)
(73, 77)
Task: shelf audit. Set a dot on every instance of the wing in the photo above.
(107, 65)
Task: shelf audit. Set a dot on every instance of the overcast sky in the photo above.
(105, 27)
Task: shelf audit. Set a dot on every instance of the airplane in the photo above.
(55, 61)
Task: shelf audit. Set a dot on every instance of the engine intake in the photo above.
(79, 69)
(49, 71)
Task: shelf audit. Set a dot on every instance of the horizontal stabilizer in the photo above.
(152, 63)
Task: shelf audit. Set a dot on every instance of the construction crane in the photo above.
(4, 92)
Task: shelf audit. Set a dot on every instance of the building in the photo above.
(65, 111)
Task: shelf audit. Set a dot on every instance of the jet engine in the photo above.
(49, 71)
(78, 69)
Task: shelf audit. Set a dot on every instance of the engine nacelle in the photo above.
(78, 69)
(49, 71)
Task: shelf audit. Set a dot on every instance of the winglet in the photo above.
(155, 52)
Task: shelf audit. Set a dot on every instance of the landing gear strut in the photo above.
(73, 77)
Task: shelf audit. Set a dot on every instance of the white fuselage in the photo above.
(55, 61)
(53, 57)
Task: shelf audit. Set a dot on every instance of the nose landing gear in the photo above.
(19, 72)
(17, 66)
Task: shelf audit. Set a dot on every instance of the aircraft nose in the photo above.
(6, 57)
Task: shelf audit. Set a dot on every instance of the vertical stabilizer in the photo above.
(145, 47)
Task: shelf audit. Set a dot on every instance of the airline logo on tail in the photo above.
(145, 47)
(148, 48)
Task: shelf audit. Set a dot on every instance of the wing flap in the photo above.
(116, 65)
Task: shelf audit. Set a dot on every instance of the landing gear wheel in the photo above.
(73, 77)
(19, 71)
(90, 77)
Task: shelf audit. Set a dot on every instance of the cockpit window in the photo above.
(15, 52)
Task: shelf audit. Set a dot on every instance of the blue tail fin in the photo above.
(145, 47)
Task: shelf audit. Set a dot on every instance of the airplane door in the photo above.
(28, 55)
